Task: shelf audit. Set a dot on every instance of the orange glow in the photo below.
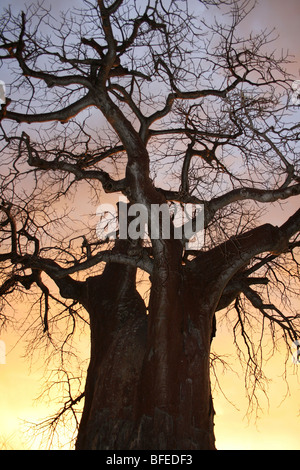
(277, 427)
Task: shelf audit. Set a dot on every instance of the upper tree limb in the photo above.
(220, 264)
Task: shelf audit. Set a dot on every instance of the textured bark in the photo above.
(148, 383)
(118, 325)
(175, 408)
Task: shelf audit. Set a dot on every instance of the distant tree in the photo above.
(163, 105)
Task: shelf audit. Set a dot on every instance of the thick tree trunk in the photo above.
(175, 407)
(118, 325)
(148, 384)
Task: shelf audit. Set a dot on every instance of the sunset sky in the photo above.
(278, 424)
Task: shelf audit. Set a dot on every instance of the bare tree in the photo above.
(158, 103)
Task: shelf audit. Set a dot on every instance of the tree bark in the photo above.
(148, 384)
(118, 324)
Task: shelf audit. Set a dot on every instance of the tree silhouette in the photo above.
(163, 105)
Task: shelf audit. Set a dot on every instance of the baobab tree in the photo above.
(159, 103)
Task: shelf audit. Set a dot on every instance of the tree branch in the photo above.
(254, 194)
(108, 183)
(283, 321)
(62, 115)
(221, 263)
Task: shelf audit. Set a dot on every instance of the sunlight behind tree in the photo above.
(162, 105)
